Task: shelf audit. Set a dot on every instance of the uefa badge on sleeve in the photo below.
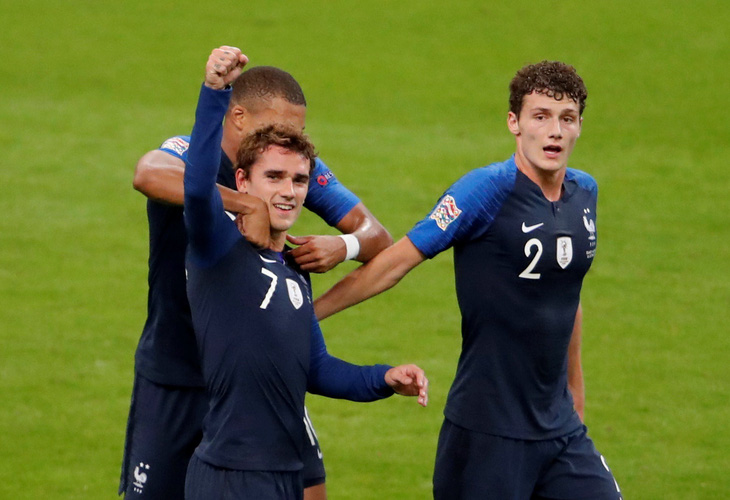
(445, 212)
(564, 251)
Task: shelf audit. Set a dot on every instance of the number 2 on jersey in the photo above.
(527, 273)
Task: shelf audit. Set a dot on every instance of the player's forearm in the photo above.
(369, 280)
(373, 238)
(335, 378)
(203, 206)
(204, 153)
(576, 384)
(371, 235)
(160, 177)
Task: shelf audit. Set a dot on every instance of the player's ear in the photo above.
(241, 180)
(513, 123)
(237, 115)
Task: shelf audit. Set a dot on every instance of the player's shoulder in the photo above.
(583, 179)
(177, 145)
(499, 176)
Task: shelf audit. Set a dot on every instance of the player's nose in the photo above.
(286, 188)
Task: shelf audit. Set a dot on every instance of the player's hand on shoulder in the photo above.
(318, 254)
(224, 65)
(408, 380)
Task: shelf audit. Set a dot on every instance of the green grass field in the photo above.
(404, 98)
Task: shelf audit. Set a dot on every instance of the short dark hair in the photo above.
(257, 142)
(552, 78)
(265, 83)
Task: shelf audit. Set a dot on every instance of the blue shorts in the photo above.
(206, 481)
(164, 428)
(474, 465)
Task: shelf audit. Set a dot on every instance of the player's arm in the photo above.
(210, 233)
(363, 237)
(378, 275)
(335, 378)
(159, 176)
(575, 369)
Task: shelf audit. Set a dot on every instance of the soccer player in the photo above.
(259, 342)
(169, 401)
(524, 236)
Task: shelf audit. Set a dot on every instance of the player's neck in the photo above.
(550, 182)
(278, 241)
(229, 145)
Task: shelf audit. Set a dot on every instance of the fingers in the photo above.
(224, 65)
(298, 240)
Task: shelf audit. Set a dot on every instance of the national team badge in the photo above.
(295, 293)
(565, 251)
(589, 224)
(445, 212)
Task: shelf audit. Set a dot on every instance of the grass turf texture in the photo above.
(403, 99)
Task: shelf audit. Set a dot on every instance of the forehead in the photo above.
(536, 101)
(281, 160)
(279, 110)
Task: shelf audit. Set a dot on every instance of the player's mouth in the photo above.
(552, 150)
(285, 207)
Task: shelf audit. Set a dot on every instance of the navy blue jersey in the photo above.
(260, 344)
(519, 264)
(166, 352)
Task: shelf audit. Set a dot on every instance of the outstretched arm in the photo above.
(575, 369)
(210, 233)
(378, 275)
(335, 378)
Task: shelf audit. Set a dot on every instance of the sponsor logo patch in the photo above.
(176, 144)
(445, 212)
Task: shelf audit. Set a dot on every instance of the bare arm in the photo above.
(159, 176)
(575, 369)
(319, 254)
(378, 275)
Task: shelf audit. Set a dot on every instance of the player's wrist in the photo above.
(352, 246)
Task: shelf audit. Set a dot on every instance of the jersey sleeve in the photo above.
(327, 197)
(177, 146)
(464, 212)
(211, 233)
(334, 378)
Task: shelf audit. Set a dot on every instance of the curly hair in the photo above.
(551, 78)
(257, 142)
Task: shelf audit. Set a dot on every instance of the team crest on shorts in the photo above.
(445, 212)
(295, 293)
(176, 144)
(565, 251)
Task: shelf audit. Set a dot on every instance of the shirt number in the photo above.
(527, 273)
(270, 292)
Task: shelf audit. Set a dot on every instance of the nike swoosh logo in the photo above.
(527, 229)
(268, 261)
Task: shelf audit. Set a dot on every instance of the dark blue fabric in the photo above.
(519, 264)
(473, 465)
(252, 315)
